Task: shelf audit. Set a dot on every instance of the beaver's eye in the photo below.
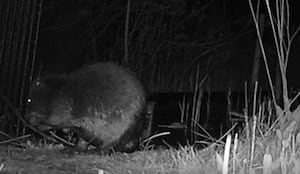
(29, 100)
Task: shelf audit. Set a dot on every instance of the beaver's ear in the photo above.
(37, 82)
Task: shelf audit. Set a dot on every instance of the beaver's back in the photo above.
(107, 84)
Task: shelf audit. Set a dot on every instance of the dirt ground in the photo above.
(60, 161)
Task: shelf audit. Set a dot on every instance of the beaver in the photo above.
(102, 103)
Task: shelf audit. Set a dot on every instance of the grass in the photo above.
(265, 150)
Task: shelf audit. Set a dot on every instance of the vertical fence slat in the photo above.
(19, 21)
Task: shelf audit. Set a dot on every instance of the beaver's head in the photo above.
(48, 106)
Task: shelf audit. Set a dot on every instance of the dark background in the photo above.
(216, 37)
